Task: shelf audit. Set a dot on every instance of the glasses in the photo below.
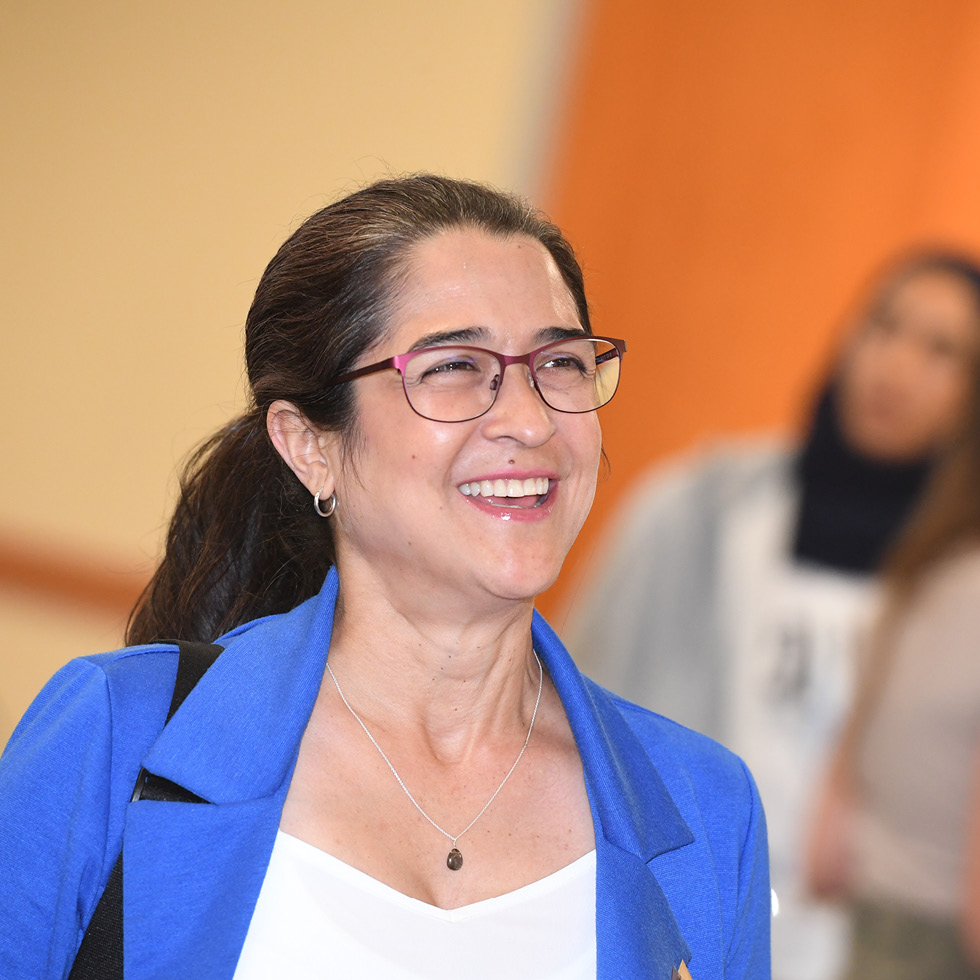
(455, 384)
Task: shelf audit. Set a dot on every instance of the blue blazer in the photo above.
(682, 866)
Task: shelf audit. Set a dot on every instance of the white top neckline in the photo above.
(317, 915)
(487, 906)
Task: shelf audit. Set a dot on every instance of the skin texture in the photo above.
(908, 367)
(432, 638)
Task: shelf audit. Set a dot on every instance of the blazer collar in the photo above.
(236, 736)
(624, 783)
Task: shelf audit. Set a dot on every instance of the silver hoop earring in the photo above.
(331, 504)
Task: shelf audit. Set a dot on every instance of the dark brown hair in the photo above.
(244, 540)
(948, 515)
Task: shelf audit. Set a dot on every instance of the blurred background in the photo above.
(730, 172)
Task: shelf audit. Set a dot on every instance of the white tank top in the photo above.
(318, 917)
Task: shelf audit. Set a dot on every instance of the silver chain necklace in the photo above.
(455, 860)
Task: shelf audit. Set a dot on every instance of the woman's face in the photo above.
(909, 367)
(401, 514)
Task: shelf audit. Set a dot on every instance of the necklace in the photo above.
(454, 861)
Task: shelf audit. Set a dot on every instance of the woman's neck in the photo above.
(412, 670)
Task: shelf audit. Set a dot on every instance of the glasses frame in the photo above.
(400, 361)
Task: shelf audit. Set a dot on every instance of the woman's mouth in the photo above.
(509, 493)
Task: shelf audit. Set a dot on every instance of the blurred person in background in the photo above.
(897, 831)
(738, 580)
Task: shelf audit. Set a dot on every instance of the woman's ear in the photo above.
(302, 446)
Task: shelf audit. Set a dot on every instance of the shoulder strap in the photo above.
(100, 955)
(192, 663)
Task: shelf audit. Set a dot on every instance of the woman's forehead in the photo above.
(928, 290)
(459, 253)
(465, 280)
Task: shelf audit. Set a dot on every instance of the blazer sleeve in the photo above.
(748, 954)
(57, 841)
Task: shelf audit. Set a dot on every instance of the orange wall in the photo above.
(731, 173)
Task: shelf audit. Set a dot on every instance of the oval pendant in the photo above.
(455, 860)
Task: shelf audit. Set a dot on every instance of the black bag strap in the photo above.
(100, 955)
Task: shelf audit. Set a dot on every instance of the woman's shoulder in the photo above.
(138, 678)
(724, 866)
(662, 735)
(946, 599)
(958, 572)
(698, 771)
(678, 505)
(718, 471)
(147, 667)
(124, 689)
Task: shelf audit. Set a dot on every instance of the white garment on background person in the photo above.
(794, 633)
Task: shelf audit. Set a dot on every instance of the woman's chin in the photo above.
(523, 584)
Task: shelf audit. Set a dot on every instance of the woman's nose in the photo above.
(518, 412)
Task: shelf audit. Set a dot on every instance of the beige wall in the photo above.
(155, 156)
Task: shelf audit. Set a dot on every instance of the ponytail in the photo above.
(243, 542)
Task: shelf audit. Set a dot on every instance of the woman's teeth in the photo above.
(534, 486)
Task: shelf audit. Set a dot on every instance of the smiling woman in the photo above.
(447, 795)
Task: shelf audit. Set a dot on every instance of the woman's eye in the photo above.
(944, 348)
(563, 362)
(450, 367)
(882, 325)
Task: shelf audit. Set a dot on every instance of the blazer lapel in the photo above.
(191, 877)
(236, 736)
(635, 821)
(636, 933)
(192, 872)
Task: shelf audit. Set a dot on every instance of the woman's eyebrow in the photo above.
(481, 335)
(460, 335)
(549, 334)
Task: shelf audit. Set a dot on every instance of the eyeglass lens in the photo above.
(453, 384)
